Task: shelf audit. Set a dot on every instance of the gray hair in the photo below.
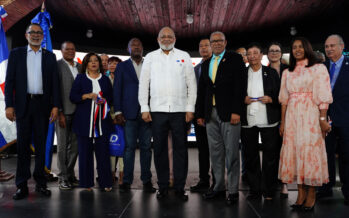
(217, 32)
(166, 27)
(340, 39)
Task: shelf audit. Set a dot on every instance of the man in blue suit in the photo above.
(32, 100)
(128, 114)
(338, 139)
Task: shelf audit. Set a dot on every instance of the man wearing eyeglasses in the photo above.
(32, 100)
(167, 95)
(219, 106)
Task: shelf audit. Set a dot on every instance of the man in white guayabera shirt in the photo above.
(167, 95)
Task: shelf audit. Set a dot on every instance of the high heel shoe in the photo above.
(296, 206)
(308, 209)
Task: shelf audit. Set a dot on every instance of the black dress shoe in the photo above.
(214, 195)
(125, 187)
(232, 198)
(200, 186)
(43, 191)
(324, 194)
(148, 187)
(161, 194)
(20, 194)
(283, 195)
(181, 194)
(74, 182)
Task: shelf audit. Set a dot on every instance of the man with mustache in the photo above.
(167, 95)
(219, 106)
(32, 100)
(128, 114)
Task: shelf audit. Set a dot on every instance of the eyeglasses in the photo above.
(274, 51)
(36, 32)
(217, 41)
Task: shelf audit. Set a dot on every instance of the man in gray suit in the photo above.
(67, 147)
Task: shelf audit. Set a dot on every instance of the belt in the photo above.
(34, 96)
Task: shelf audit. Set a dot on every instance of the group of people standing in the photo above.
(288, 106)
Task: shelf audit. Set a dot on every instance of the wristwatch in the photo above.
(322, 118)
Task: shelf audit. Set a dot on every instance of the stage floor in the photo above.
(79, 203)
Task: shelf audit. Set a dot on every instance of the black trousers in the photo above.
(261, 180)
(338, 141)
(33, 124)
(161, 124)
(204, 153)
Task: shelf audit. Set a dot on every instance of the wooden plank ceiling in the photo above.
(148, 16)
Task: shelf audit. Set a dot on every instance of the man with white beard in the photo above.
(167, 95)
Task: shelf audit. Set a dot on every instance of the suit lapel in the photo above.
(132, 71)
(220, 67)
(264, 77)
(25, 70)
(341, 74)
(43, 67)
(67, 70)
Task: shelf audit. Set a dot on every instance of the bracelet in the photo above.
(322, 118)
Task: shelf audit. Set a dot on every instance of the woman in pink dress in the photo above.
(305, 94)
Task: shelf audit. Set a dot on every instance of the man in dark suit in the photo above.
(261, 115)
(338, 139)
(219, 104)
(67, 145)
(32, 100)
(127, 113)
(200, 131)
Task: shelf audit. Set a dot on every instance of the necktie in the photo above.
(332, 70)
(214, 69)
(213, 78)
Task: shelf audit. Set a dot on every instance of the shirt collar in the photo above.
(220, 55)
(162, 52)
(338, 62)
(69, 63)
(29, 49)
(136, 62)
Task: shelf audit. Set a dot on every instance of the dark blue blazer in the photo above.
(126, 90)
(339, 109)
(81, 122)
(16, 81)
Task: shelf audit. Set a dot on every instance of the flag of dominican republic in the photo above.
(7, 128)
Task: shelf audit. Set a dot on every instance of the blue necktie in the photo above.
(332, 70)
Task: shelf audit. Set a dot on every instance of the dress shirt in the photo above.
(138, 67)
(170, 82)
(73, 68)
(95, 89)
(256, 111)
(212, 62)
(338, 63)
(34, 71)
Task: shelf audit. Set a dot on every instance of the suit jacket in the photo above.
(126, 90)
(228, 88)
(82, 117)
(66, 80)
(271, 87)
(197, 70)
(338, 110)
(16, 81)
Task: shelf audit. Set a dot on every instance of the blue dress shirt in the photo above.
(34, 71)
(212, 62)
